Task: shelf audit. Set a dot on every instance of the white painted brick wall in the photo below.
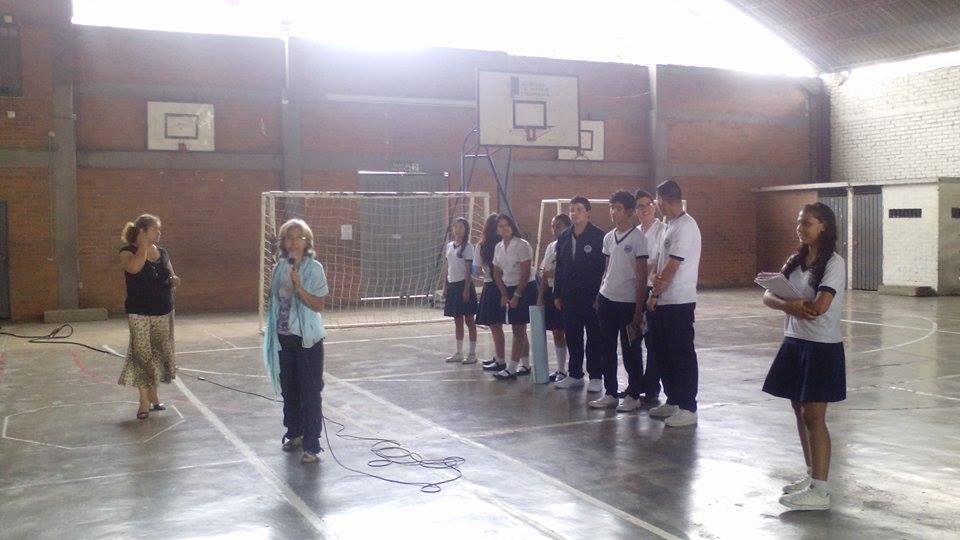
(905, 127)
(911, 245)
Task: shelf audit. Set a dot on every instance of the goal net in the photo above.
(382, 251)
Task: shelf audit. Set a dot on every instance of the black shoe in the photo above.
(494, 367)
(490, 362)
(523, 370)
(504, 375)
(557, 376)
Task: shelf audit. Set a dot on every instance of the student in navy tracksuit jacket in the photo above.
(579, 272)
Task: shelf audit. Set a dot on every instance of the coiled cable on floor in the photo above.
(388, 451)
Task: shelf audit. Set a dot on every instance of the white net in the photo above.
(382, 251)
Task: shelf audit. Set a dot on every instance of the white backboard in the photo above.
(527, 109)
(171, 124)
(591, 143)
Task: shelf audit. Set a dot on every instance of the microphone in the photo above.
(293, 263)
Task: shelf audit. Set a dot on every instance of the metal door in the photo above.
(867, 238)
(401, 240)
(836, 199)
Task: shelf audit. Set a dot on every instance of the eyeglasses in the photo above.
(303, 238)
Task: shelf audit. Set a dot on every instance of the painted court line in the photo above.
(251, 457)
(221, 373)
(211, 334)
(121, 475)
(504, 457)
(394, 375)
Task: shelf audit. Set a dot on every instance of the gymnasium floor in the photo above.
(539, 464)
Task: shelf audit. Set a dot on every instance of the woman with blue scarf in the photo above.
(293, 341)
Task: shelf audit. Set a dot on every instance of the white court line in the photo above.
(120, 475)
(919, 393)
(504, 457)
(220, 350)
(211, 334)
(221, 373)
(266, 472)
(527, 429)
(421, 349)
(932, 330)
(392, 375)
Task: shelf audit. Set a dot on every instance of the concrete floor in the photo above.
(539, 464)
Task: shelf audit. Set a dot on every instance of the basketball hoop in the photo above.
(531, 134)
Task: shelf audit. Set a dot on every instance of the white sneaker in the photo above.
(605, 402)
(470, 359)
(595, 385)
(806, 499)
(799, 485)
(664, 411)
(455, 357)
(628, 404)
(681, 418)
(569, 382)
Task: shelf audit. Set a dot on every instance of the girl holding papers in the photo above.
(810, 368)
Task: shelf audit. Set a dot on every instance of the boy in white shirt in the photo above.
(672, 306)
(620, 303)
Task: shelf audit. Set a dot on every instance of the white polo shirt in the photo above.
(508, 259)
(549, 262)
(624, 250)
(457, 264)
(826, 327)
(653, 235)
(680, 241)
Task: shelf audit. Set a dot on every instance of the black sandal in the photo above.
(495, 367)
(143, 415)
(504, 375)
(158, 407)
(523, 370)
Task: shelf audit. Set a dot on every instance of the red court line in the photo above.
(3, 365)
(83, 369)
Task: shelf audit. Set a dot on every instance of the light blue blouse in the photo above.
(304, 322)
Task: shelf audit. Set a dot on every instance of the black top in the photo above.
(148, 291)
(579, 275)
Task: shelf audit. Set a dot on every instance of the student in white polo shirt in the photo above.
(459, 295)
(652, 229)
(514, 277)
(672, 306)
(810, 367)
(623, 294)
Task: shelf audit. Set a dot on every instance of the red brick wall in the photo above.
(211, 226)
(33, 275)
(777, 226)
(723, 119)
(211, 219)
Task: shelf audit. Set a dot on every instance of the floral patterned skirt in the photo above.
(150, 358)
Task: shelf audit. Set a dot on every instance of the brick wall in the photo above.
(727, 126)
(904, 127)
(33, 275)
(211, 218)
(911, 245)
(777, 226)
(718, 122)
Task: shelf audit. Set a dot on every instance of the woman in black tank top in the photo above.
(150, 281)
